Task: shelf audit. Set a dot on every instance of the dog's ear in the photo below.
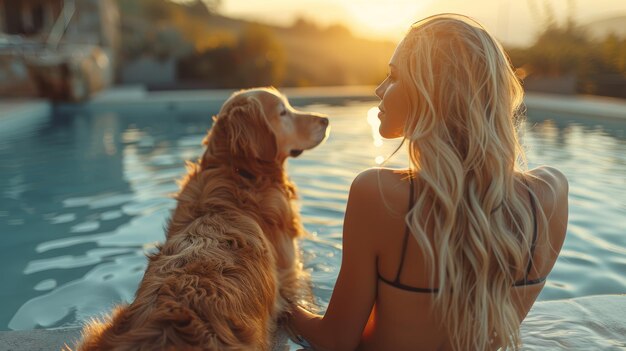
(246, 130)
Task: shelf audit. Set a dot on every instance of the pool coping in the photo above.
(187, 101)
(18, 113)
(64, 338)
(609, 310)
(135, 99)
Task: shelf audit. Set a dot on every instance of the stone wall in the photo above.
(92, 37)
(96, 22)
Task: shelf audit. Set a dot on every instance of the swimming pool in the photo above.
(86, 195)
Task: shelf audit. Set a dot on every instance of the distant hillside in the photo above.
(212, 50)
(320, 56)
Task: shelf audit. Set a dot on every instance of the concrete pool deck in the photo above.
(19, 113)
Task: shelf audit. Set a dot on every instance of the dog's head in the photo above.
(260, 125)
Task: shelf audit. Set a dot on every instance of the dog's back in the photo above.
(191, 296)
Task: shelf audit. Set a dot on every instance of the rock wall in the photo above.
(83, 63)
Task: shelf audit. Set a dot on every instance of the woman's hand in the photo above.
(303, 322)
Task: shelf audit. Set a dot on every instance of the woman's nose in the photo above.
(324, 121)
(380, 91)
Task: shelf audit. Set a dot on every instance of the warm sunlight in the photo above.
(514, 22)
(374, 122)
(383, 19)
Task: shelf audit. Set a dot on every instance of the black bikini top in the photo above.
(396, 282)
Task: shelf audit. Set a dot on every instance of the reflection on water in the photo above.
(84, 197)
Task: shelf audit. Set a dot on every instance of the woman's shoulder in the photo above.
(378, 201)
(551, 176)
(380, 176)
(550, 186)
(378, 180)
(383, 190)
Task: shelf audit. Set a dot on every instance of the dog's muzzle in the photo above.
(295, 153)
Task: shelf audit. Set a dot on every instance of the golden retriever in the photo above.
(229, 266)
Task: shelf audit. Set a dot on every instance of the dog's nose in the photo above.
(324, 121)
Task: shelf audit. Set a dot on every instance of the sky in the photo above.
(512, 22)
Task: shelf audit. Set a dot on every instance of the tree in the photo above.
(262, 57)
(256, 59)
(305, 26)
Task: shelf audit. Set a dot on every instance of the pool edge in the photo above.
(203, 101)
(63, 338)
(596, 306)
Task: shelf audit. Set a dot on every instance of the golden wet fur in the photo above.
(229, 265)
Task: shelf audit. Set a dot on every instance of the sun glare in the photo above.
(382, 19)
(374, 122)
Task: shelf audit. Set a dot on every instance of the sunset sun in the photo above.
(383, 20)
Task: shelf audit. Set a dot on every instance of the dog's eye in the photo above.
(283, 112)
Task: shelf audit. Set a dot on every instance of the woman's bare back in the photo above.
(402, 319)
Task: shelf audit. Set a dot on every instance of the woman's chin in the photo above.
(390, 134)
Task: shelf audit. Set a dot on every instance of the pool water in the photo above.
(84, 196)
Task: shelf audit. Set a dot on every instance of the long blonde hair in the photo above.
(465, 153)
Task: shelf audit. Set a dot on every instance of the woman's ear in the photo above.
(247, 132)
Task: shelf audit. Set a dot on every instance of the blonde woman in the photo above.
(451, 253)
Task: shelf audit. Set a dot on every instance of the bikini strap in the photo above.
(406, 232)
(535, 229)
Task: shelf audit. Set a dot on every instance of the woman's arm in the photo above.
(355, 290)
